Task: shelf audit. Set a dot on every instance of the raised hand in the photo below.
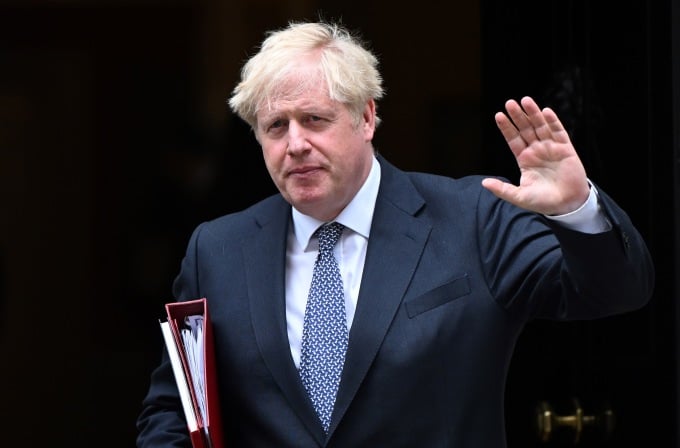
(553, 180)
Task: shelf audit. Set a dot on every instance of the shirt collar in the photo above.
(357, 215)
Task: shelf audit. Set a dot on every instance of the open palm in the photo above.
(553, 180)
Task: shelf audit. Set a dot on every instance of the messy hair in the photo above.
(350, 71)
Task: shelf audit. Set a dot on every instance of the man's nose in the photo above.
(297, 138)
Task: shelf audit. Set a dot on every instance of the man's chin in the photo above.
(316, 207)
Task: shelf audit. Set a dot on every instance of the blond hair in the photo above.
(349, 70)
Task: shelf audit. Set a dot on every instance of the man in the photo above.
(438, 275)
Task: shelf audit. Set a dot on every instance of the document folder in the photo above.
(188, 337)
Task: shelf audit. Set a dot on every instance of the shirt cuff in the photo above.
(588, 218)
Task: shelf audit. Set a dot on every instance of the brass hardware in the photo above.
(548, 421)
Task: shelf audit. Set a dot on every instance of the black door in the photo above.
(606, 68)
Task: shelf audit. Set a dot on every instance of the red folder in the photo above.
(203, 422)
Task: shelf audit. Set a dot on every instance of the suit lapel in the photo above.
(265, 259)
(398, 236)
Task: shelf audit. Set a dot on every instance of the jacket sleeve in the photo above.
(538, 268)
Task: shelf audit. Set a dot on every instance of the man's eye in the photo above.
(276, 124)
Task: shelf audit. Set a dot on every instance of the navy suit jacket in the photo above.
(452, 275)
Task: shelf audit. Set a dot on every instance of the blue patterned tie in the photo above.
(324, 333)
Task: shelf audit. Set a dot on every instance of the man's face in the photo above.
(316, 153)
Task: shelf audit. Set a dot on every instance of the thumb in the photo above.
(503, 190)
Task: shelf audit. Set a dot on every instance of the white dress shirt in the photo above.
(350, 251)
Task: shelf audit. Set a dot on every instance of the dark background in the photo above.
(116, 141)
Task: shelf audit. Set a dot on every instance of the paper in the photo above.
(180, 377)
(192, 337)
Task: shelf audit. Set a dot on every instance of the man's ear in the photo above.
(368, 120)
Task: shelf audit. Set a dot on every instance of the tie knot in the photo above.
(328, 235)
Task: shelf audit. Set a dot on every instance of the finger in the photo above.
(545, 122)
(503, 190)
(536, 118)
(557, 130)
(521, 120)
(510, 133)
